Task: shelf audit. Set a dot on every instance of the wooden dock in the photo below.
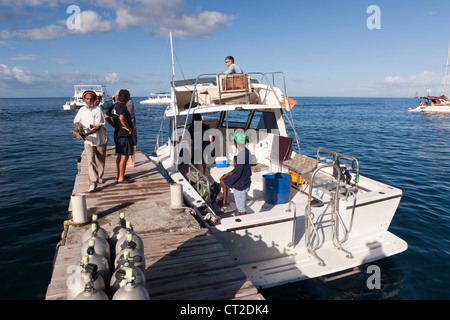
(183, 260)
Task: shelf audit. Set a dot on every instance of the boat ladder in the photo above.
(331, 186)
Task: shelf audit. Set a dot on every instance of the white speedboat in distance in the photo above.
(162, 98)
(77, 100)
(307, 216)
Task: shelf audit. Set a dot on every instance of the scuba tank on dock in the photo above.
(118, 232)
(118, 279)
(100, 231)
(136, 254)
(101, 245)
(102, 263)
(132, 290)
(122, 242)
(76, 284)
(89, 292)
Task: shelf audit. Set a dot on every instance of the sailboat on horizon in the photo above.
(435, 103)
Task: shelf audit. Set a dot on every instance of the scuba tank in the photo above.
(118, 232)
(100, 231)
(122, 242)
(101, 245)
(97, 259)
(136, 254)
(132, 290)
(75, 283)
(118, 279)
(89, 292)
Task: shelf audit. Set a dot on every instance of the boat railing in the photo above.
(247, 83)
(329, 178)
(346, 165)
(313, 239)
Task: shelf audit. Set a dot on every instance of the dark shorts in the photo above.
(124, 146)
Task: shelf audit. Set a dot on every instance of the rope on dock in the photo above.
(72, 223)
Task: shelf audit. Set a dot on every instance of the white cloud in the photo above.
(62, 62)
(196, 26)
(91, 22)
(44, 33)
(111, 77)
(401, 86)
(25, 57)
(11, 75)
(162, 16)
(156, 17)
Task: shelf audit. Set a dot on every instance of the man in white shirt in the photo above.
(90, 122)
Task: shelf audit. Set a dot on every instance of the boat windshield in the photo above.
(242, 119)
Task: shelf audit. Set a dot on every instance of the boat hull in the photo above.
(269, 243)
(431, 109)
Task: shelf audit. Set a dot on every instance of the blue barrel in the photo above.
(276, 187)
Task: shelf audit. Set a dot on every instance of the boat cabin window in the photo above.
(267, 121)
(248, 119)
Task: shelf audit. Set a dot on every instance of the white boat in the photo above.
(319, 225)
(162, 98)
(326, 226)
(77, 100)
(433, 104)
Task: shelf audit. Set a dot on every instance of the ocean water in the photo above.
(409, 151)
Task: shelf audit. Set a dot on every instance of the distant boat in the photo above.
(162, 98)
(435, 103)
(77, 100)
(432, 104)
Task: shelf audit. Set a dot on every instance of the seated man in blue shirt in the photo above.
(239, 178)
(232, 67)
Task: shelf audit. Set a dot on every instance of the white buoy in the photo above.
(176, 197)
(79, 207)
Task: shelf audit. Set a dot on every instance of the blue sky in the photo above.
(324, 47)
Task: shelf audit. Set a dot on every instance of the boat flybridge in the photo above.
(329, 218)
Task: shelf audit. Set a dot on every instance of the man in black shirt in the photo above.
(239, 178)
(119, 117)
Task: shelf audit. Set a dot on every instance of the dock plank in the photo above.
(183, 261)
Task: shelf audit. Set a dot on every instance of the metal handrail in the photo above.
(336, 219)
(294, 223)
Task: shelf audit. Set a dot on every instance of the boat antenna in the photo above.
(446, 69)
(173, 65)
(175, 126)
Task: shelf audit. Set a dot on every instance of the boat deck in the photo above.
(183, 261)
